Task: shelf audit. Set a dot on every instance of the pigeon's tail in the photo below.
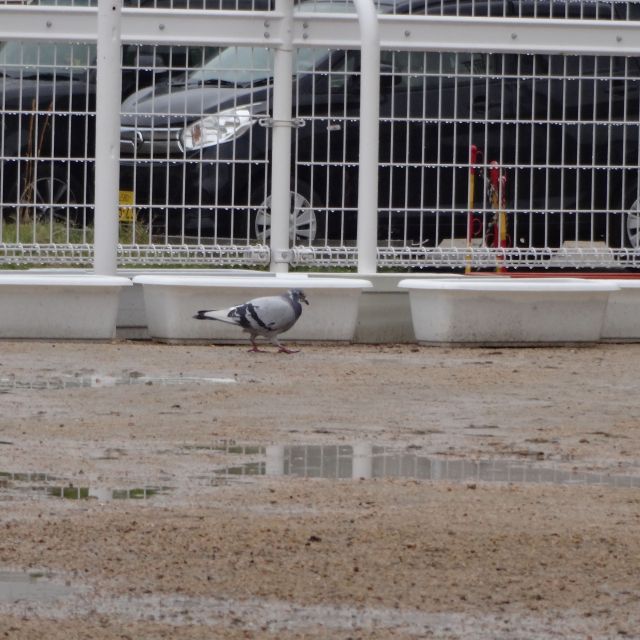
(207, 314)
(214, 314)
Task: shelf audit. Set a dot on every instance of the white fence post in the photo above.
(275, 460)
(362, 465)
(107, 165)
(368, 153)
(281, 141)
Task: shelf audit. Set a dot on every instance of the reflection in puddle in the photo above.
(227, 446)
(100, 381)
(367, 461)
(313, 461)
(34, 587)
(41, 484)
(177, 615)
(82, 493)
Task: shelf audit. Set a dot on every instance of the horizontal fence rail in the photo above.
(332, 30)
(508, 133)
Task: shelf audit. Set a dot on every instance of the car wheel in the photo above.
(303, 219)
(631, 229)
(47, 199)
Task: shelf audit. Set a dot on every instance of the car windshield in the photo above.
(250, 65)
(30, 58)
(44, 58)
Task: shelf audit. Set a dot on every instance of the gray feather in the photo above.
(268, 316)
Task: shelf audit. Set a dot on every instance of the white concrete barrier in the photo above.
(59, 306)
(622, 319)
(508, 311)
(131, 322)
(171, 301)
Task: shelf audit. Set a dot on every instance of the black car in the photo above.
(550, 143)
(47, 114)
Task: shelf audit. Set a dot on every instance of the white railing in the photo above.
(592, 234)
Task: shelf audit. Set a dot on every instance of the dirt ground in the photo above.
(278, 557)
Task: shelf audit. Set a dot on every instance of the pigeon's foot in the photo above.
(255, 349)
(285, 350)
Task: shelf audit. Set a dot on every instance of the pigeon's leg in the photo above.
(254, 347)
(282, 348)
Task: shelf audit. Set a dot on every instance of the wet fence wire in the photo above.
(489, 157)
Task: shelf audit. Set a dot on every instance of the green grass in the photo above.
(60, 233)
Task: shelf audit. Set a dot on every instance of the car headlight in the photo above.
(217, 128)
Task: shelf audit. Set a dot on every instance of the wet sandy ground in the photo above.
(129, 516)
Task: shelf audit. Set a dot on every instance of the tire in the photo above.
(631, 225)
(47, 199)
(304, 223)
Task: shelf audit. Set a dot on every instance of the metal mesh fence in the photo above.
(487, 159)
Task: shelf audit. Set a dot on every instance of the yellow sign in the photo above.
(126, 210)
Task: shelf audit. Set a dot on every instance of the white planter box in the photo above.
(509, 311)
(48, 306)
(171, 302)
(622, 320)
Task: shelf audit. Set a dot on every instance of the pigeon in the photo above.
(268, 317)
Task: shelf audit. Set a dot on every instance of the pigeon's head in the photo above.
(297, 295)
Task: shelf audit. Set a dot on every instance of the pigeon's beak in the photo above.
(304, 299)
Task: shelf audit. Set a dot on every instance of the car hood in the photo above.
(177, 104)
(17, 93)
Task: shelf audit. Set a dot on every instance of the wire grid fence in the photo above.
(487, 159)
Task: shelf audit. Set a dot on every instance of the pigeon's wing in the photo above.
(265, 316)
(268, 315)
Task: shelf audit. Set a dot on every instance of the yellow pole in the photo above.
(473, 156)
(498, 201)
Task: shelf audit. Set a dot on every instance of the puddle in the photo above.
(103, 381)
(84, 493)
(278, 618)
(48, 486)
(17, 586)
(367, 461)
(315, 461)
(228, 447)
